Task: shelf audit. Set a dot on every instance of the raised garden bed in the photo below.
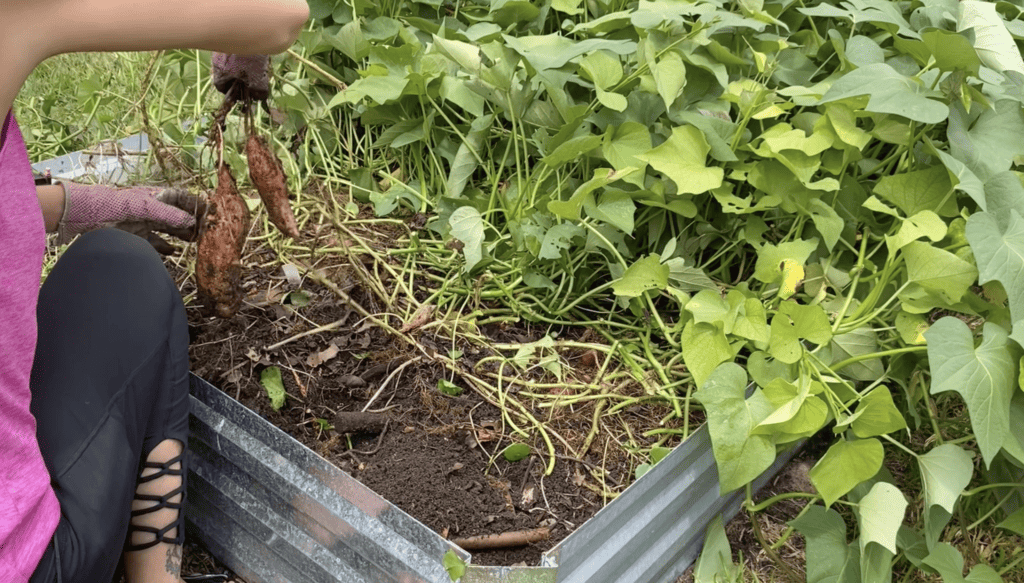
(272, 510)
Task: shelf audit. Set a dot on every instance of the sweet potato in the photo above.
(219, 254)
(267, 174)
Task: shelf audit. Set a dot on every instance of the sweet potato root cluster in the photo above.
(219, 260)
(219, 255)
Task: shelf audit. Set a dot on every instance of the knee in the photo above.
(117, 258)
(115, 272)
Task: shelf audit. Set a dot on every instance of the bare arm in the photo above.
(231, 26)
(51, 201)
(33, 30)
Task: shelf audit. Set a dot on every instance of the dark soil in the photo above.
(448, 447)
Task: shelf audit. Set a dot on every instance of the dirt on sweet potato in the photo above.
(267, 174)
(219, 253)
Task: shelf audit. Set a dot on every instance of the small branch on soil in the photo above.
(388, 380)
(317, 330)
(352, 422)
(504, 540)
(380, 441)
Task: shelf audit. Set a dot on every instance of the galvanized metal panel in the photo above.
(278, 512)
(654, 530)
(483, 574)
(274, 511)
(106, 168)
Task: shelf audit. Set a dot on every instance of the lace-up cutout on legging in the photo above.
(160, 492)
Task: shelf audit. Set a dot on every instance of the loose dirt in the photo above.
(438, 456)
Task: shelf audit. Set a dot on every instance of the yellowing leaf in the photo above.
(792, 277)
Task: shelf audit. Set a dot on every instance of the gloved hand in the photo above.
(251, 72)
(140, 211)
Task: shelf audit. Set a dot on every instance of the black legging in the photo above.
(109, 383)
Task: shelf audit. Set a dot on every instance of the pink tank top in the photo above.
(29, 510)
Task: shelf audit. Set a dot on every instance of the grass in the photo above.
(75, 100)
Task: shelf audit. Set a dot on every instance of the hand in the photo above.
(140, 211)
(248, 72)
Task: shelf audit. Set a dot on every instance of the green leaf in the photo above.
(881, 513)
(659, 453)
(890, 92)
(468, 156)
(740, 457)
(615, 208)
(350, 41)
(570, 7)
(270, 378)
(621, 146)
(859, 342)
(640, 470)
(1004, 193)
(992, 40)
(516, 452)
(381, 89)
(298, 298)
(467, 55)
(947, 561)
(571, 150)
(704, 348)
(558, 239)
(715, 561)
(945, 471)
(829, 558)
(923, 224)
(798, 413)
(321, 9)
(467, 225)
(1000, 256)
(827, 221)
(682, 158)
(764, 370)
(844, 465)
(793, 323)
(455, 566)
(553, 51)
(570, 209)
(992, 142)
(1014, 522)
(877, 415)
(709, 306)
(670, 77)
(645, 274)
(984, 377)
(952, 51)
(687, 278)
(605, 71)
(750, 318)
(448, 388)
(939, 271)
(1013, 445)
(786, 398)
(921, 190)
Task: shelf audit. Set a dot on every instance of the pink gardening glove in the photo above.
(248, 72)
(140, 211)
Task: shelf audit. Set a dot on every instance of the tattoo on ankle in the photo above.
(173, 564)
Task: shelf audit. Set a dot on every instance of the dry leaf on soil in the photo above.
(421, 317)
